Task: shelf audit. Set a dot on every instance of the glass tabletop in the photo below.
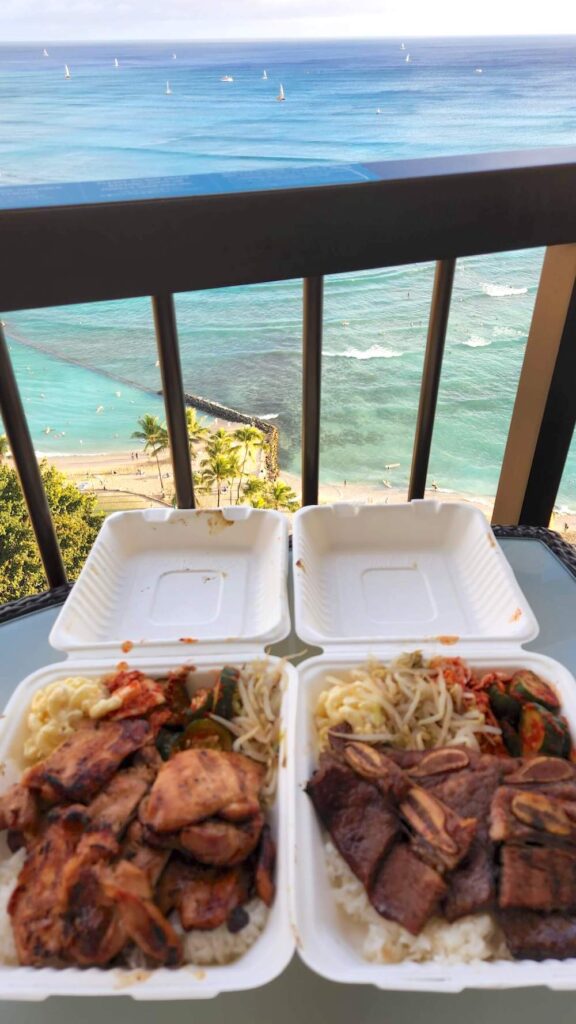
(299, 995)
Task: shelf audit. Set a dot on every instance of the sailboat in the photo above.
(226, 78)
(264, 76)
(407, 58)
(168, 89)
(116, 64)
(67, 72)
(45, 52)
(402, 46)
(173, 56)
(281, 95)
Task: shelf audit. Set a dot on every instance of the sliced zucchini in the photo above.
(505, 707)
(527, 686)
(542, 732)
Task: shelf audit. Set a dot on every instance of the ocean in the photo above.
(88, 372)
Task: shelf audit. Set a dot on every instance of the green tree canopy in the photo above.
(154, 437)
(4, 447)
(197, 429)
(247, 440)
(76, 519)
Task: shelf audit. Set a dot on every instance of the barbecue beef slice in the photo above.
(85, 762)
(537, 878)
(406, 890)
(362, 824)
(469, 792)
(533, 936)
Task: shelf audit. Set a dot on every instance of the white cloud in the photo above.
(193, 19)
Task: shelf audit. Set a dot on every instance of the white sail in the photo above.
(173, 56)
(408, 58)
(264, 76)
(67, 72)
(168, 89)
(45, 52)
(116, 64)
(402, 46)
(281, 95)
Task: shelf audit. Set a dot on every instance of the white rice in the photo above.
(476, 937)
(220, 946)
(9, 871)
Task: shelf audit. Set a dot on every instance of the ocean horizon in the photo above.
(88, 372)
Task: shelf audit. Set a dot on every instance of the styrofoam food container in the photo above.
(264, 532)
(336, 608)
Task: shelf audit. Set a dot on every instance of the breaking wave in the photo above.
(499, 291)
(374, 352)
(476, 342)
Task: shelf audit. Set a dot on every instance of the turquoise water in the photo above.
(242, 346)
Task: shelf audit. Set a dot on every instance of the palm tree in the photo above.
(254, 492)
(247, 440)
(216, 470)
(154, 436)
(233, 471)
(280, 496)
(220, 443)
(4, 447)
(197, 430)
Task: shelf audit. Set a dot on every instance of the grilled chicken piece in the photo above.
(220, 842)
(149, 859)
(117, 803)
(198, 784)
(203, 897)
(86, 761)
(128, 888)
(38, 928)
(265, 861)
(18, 809)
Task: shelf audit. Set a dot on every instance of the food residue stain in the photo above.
(126, 978)
(127, 646)
(199, 975)
(187, 640)
(516, 615)
(2, 767)
(122, 666)
(448, 640)
(491, 540)
(300, 565)
(218, 522)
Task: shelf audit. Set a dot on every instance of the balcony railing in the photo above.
(390, 214)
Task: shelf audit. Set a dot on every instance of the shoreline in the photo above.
(131, 474)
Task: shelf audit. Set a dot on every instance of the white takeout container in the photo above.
(163, 588)
(379, 581)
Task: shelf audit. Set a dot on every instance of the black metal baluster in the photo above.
(173, 390)
(18, 434)
(311, 387)
(438, 323)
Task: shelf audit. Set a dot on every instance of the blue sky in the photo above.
(46, 20)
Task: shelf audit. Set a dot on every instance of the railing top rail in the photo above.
(394, 213)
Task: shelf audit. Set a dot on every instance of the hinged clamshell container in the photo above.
(380, 580)
(163, 588)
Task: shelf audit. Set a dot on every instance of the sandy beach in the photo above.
(124, 480)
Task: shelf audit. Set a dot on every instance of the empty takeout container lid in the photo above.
(158, 580)
(424, 571)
